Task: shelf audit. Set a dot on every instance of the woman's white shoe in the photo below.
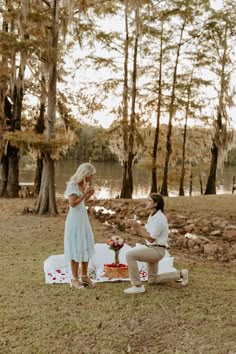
(135, 290)
(76, 283)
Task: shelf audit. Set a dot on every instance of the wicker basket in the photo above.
(116, 272)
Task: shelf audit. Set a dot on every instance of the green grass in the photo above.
(39, 318)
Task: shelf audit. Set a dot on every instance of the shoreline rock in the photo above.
(213, 237)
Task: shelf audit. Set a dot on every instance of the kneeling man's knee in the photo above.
(130, 255)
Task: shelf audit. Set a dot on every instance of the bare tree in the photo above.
(46, 201)
(164, 187)
(127, 182)
(158, 116)
(221, 36)
(18, 33)
(187, 109)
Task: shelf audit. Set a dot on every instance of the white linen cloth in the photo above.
(57, 269)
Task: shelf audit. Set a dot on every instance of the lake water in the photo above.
(107, 180)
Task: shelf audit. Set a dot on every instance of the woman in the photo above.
(78, 237)
(155, 233)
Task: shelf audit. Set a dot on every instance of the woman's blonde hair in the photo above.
(83, 171)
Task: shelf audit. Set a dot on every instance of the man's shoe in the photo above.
(184, 276)
(135, 290)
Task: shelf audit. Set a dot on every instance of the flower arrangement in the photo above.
(116, 269)
(119, 271)
(115, 243)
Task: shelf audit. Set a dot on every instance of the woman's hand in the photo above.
(89, 191)
(74, 200)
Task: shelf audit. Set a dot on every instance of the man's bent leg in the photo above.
(142, 254)
(162, 278)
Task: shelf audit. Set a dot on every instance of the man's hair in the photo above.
(157, 198)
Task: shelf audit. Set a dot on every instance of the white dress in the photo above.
(78, 236)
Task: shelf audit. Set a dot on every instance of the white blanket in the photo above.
(57, 270)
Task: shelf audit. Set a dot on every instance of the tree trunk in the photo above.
(38, 174)
(200, 181)
(218, 144)
(2, 117)
(14, 152)
(4, 175)
(6, 122)
(10, 157)
(233, 185)
(164, 188)
(156, 137)
(211, 182)
(125, 192)
(181, 184)
(3, 95)
(127, 189)
(129, 179)
(9, 186)
(46, 201)
(191, 183)
(14, 113)
(4, 157)
(13, 172)
(39, 129)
